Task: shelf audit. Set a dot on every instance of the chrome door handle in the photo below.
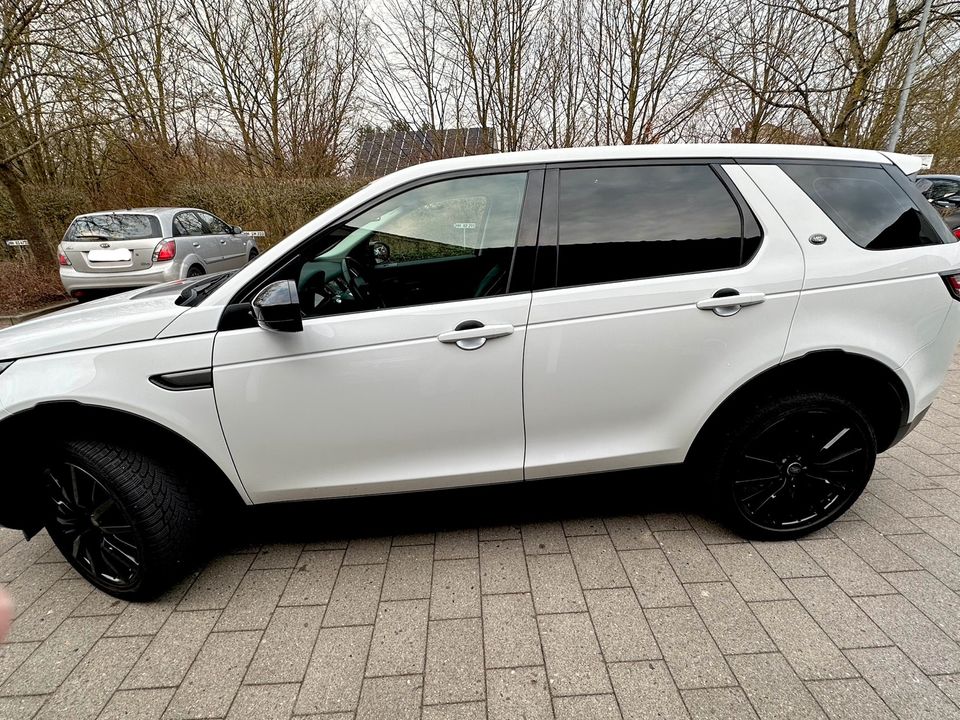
(196, 244)
(472, 335)
(728, 305)
(223, 242)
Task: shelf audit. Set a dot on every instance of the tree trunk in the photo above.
(29, 227)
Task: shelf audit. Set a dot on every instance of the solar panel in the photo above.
(383, 152)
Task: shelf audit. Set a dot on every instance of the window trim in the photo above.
(529, 220)
(173, 223)
(548, 248)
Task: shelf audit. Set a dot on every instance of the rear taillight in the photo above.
(62, 259)
(956, 233)
(166, 250)
(953, 284)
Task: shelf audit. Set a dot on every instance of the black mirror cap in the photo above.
(277, 307)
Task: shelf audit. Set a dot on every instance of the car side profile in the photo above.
(770, 316)
(139, 247)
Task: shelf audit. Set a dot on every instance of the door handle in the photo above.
(223, 242)
(472, 334)
(727, 305)
(196, 244)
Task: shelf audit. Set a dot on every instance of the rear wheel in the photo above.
(793, 464)
(126, 524)
(195, 271)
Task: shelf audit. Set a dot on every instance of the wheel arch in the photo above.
(19, 481)
(871, 384)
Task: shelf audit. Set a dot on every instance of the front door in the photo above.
(408, 371)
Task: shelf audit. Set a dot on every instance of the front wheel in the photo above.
(127, 524)
(794, 464)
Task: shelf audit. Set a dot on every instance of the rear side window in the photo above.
(109, 226)
(628, 223)
(867, 204)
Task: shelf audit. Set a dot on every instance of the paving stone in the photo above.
(214, 678)
(148, 618)
(254, 601)
(215, 586)
(454, 672)
(878, 552)
(691, 654)
(19, 708)
(728, 618)
(932, 597)
(881, 516)
(455, 591)
(168, 657)
(499, 532)
(46, 613)
(574, 662)
(22, 555)
(584, 526)
(510, 634)
(312, 581)
(367, 551)
(839, 616)
(718, 704)
(264, 702)
(903, 501)
(850, 699)
(335, 673)
(645, 690)
(355, 596)
(424, 538)
(280, 555)
(749, 573)
(630, 532)
(88, 688)
(12, 656)
(943, 500)
(923, 642)
(597, 562)
(285, 648)
(667, 521)
(933, 556)
(653, 579)
(801, 641)
(846, 568)
(589, 707)
(901, 684)
(503, 568)
(409, 573)
(621, 627)
(788, 559)
(773, 688)
(458, 711)
(543, 538)
(399, 638)
(518, 694)
(689, 557)
(397, 698)
(456, 544)
(944, 529)
(146, 704)
(57, 656)
(950, 686)
(32, 583)
(556, 588)
(98, 603)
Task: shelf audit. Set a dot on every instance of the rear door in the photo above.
(112, 242)
(660, 289)
(189, 228)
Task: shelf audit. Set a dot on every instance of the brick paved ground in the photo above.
(556, 600)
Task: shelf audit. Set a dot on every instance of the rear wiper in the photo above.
(192, 294)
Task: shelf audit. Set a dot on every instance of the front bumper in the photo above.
(159, 273)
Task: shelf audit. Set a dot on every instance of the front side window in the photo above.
(628, 223)
(215, 225)
(188, 223)
(867, 204)
(448, 240)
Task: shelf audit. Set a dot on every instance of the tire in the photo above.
(125, 522)
(195, 271)
(253, 253)
(792, 464)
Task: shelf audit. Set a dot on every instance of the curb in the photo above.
(7, 320)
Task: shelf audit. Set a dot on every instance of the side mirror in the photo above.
(380, 252)
(236, 229)
(277, 307)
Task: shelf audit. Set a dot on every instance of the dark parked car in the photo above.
(943, 192)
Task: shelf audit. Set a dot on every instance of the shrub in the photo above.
(26, 286)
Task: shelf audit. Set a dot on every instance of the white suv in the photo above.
(772, 315)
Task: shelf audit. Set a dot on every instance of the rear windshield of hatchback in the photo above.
(114, 226)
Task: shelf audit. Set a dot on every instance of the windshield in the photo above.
(114, 226)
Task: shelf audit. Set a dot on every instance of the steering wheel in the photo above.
(364, 291)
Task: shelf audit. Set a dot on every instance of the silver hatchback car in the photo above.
(147, 246)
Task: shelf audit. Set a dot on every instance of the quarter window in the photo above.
(867, 204)
(627, 223)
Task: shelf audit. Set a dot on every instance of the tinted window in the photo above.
(215, 225)
(187, 223)
(120, 226)
(625, 223)
(867, 204)
(449, 240)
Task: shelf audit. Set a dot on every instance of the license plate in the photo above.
(118, 255)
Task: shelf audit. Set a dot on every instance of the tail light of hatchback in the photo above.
(956, 233)
(165, 250)
(62, 258)
(952, 281)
